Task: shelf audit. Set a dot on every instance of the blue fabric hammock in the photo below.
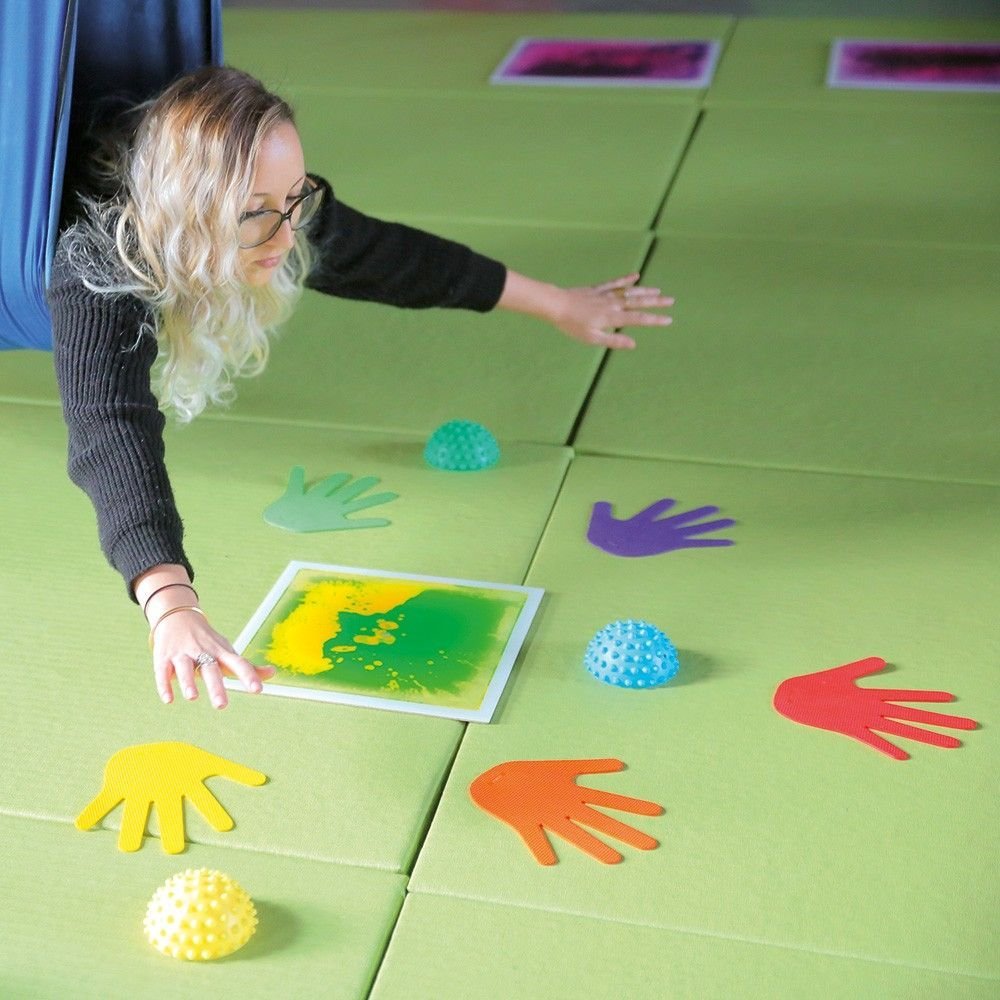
(57, 60)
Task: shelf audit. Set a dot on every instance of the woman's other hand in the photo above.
(593, 314)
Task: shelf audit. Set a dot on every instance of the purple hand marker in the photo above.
(644, 535)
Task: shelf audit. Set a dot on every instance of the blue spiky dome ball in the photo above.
(631, 654)
(462, 446)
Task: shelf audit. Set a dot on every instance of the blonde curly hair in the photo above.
(180, 179)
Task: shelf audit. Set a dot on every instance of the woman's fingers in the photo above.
(601, 336)
(187, 668)
(629, 309)
(625, 281)
(231, 663)
(187, 646)
(211, 674)
(616, 341)
(184, 668)
(163, 670)
(647, 298)
(625, 317)
(631, 317)
(244, 670)
(626, 289)
(596, 314)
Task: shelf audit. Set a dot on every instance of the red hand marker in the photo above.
(831, 700)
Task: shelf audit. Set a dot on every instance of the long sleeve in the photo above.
(360, 257)
(116, 450)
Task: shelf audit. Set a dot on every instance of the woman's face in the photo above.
(278, 181)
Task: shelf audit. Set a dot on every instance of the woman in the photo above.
(171, 281)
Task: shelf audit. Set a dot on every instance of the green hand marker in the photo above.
(327, 505)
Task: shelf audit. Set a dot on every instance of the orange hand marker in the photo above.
(535, 795)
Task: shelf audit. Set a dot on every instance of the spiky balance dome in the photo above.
(462, 446)
(631, 654)
(199, 915)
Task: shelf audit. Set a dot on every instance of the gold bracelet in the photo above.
(173, 611)
(166, 586)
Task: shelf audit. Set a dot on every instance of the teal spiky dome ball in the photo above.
(462, 446)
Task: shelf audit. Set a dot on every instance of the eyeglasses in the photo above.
(258, 227)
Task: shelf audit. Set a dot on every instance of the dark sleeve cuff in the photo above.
(141, 548)
(487, 280)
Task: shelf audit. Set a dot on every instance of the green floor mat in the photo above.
(835, 173)
(346, 784)
(448, 948)
(72, 921)
(773, 832)
(365, 365)
(549, 161)
(820, 356)
(431, 50)
(28, 376)
(785, 60)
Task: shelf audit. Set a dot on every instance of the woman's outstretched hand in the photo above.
(184, 644)
(178, 644)
(593, 314)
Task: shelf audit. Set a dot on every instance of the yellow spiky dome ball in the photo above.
(198, 915)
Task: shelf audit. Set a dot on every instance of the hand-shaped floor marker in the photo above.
(648, 534)
(326, 505)
(534, 795)
(162, 775)
(830, 700)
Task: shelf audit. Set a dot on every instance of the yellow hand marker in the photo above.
(162, 775)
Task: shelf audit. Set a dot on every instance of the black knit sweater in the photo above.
(116, 451)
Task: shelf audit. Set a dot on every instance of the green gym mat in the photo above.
(349, 363)
(72, 921)
(444, 947)
(784, 61)
(28, 376)
(841, 174)
(346, 784)
(813, 355)
(548, 161)
(773, 832)
(432, 50)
